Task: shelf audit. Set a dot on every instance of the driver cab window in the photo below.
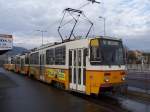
(95, 51)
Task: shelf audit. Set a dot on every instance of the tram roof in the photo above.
(57, 43)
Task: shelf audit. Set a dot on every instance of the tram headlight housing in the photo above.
(107, 77)
(123, 78)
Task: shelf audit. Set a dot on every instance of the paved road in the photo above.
(21, 94)
(139, 80)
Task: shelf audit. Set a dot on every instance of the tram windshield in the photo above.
(106, 52)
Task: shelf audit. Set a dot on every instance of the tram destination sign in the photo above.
(6, 42)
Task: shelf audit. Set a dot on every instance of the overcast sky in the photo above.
(126, 19)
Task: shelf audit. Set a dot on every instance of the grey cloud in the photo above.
(128, 20)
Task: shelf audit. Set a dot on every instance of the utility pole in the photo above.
(42, 31)
(104, 24)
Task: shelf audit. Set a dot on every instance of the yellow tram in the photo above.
(10, 64)
(88, 66)
(24, 64)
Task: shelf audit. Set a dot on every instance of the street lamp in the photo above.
(104, 24)
(42, 31)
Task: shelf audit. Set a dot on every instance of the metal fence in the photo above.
(139, 67)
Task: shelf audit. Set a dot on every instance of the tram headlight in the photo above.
(106, 77)
(123, 78)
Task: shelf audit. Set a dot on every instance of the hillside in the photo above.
(14, 51)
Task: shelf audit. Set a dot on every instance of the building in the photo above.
(138, 57)
(146, 56)
(6, 43)
(134, 57)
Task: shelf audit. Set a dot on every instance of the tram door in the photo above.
(77, 64)
(41, 66)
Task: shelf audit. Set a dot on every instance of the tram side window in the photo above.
(26, 60)
(18, 61)
(50, 58)
(12, 61)
(22, 62)
(34, 59)
(60, 55)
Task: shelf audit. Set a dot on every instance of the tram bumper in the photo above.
(115, 87)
